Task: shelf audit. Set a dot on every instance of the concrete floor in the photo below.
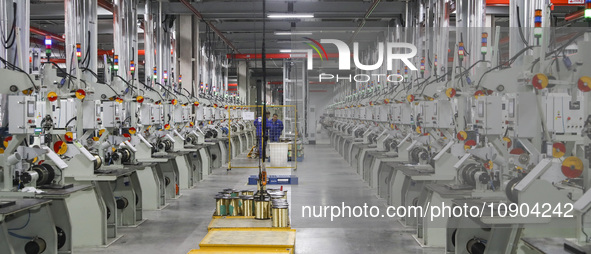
(324, 179)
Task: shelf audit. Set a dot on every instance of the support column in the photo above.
(185, 46)
(149, 62)
(21, 47)
(243, 79)
(196, 55)
(21, 35)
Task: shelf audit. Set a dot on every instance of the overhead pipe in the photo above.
(46, 33)
(367, 14)
(106, 5)
(200, 16)
(574, 15)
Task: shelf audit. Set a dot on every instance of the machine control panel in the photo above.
(22, 114)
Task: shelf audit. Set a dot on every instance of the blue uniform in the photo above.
(259, 125)
(275, 129)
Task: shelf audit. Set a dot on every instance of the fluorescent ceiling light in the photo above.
(285, 50)
(290, 15)
(293, 33)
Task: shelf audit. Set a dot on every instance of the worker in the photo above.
(275, 128)
(262, 136)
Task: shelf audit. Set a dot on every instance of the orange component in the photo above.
(410, 98)
(139, 99)
(167, 126)
(264, 177)
(508, 140)
(6, 140)
(540, 81)
(52, 96)
(489, 165)
(132, 130)
(572, 167)
(60, 147)
(69, 136)
(469, 144)
(478, 93)
(450, 92)
(558, 150)
(80, 94)
(462, 135)
(584, 84)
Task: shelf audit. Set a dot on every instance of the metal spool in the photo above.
(98, 162)
(122, 203)
(189, 139)
(234, 207)
(510, 190)
(46, 174)
(125, 155)
(247, 205)
(220, 210)
(358, 133)
(226, 203)
(418, 153)
(167, 145)
(280, 215)
(468, 173)
(374, 138)
(61, 237)
(247, 192)
(277, 196)
(160, 145)
(35, 246)
(475, 246)
(262, 209)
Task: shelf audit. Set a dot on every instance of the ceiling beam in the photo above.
(198, 14)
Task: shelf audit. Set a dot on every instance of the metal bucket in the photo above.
(247, 205)
(262, 209)
(234, 208)
(280, 215)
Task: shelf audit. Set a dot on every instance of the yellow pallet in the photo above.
(238, 222)
(237, 217)
(225, 250)
(252, 238)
